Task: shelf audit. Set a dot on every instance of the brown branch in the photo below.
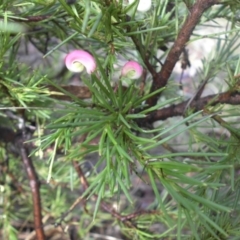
(174, 110)
(81, 92)
(139, 213)
(126, 219)
(33, 18)
(160, 79)
(228, 97)
(35, 189)
(80, 174)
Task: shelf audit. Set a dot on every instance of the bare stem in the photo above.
(35, 189)
(228, 97)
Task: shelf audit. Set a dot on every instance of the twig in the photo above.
(160, 79)
(195, 103)
(104, 205)
(35, 189)
(125, 219)
(228, 97)
(144, 56)
(81, 92)
(226, 125)
(184, 64)
(33, 18)
(80, 174)
(139, 213)
(198, 93)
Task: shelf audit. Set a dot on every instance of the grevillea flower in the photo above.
(77, 60)
(143, 5)
(132, 70)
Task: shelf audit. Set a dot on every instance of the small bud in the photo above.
(132, 70)
(143, 5)
(77, 60)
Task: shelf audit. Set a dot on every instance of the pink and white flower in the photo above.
(132, 70)
(77, 60)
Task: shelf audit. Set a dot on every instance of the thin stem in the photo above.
(123, 218)
(228, 97)
(160, 79)
(35, 189)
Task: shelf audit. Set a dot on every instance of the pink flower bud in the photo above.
(77, 60)
(132, 70)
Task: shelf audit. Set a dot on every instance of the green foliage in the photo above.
(190, 163)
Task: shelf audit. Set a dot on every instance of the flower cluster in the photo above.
(78, 60)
